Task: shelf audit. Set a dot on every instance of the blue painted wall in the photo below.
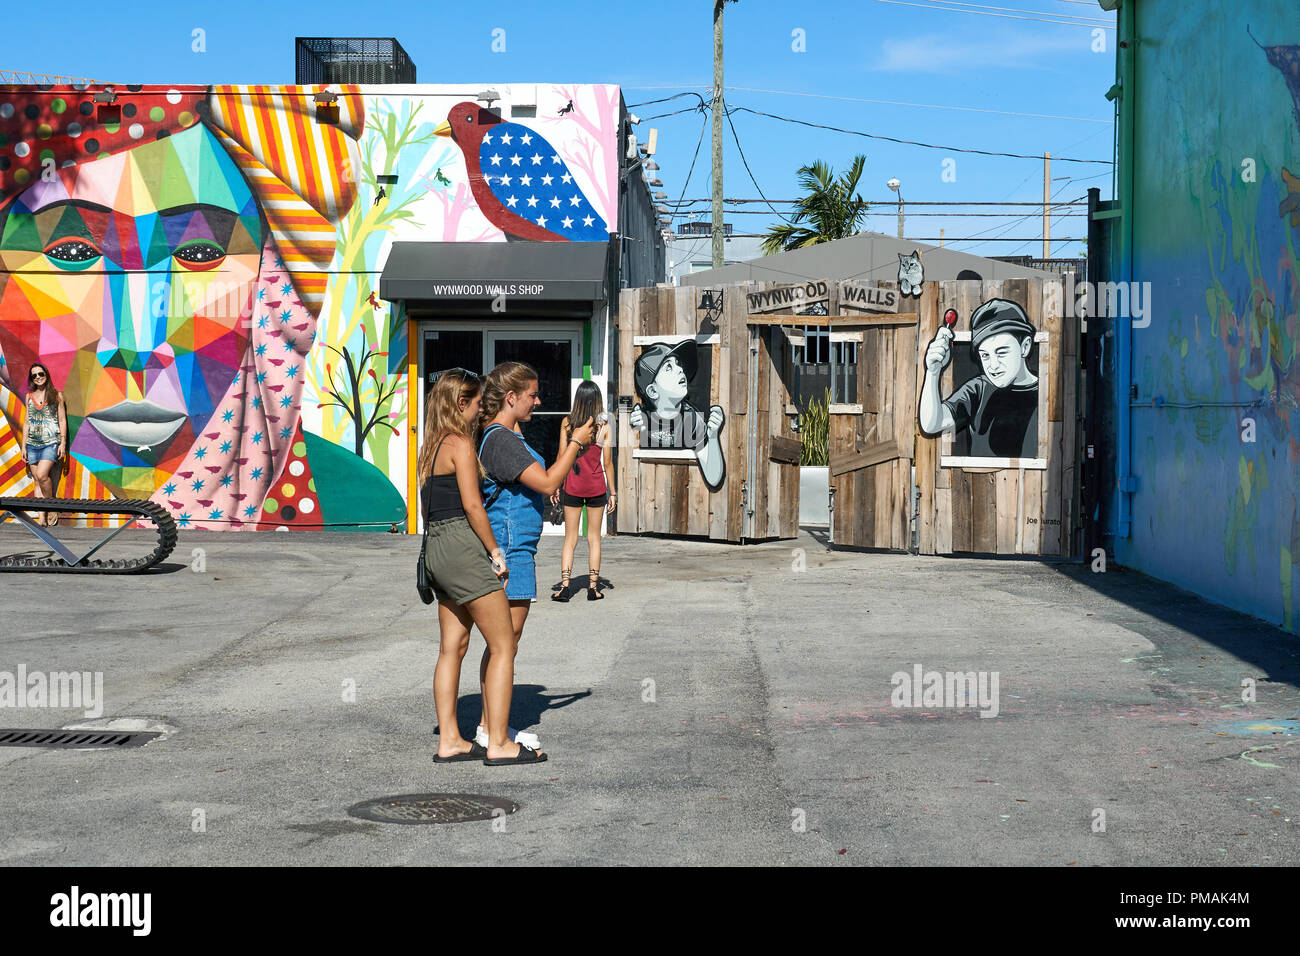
(1216, 229)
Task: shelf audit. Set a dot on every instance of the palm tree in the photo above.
(832, 208)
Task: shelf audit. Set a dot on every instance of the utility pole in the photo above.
(1047, 199)
(718, 107)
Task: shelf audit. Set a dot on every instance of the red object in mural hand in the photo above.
(950, 319)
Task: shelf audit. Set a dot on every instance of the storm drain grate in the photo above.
(432, 808)
(74, 739)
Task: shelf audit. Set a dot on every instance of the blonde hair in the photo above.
(443, 415)
(506, 377)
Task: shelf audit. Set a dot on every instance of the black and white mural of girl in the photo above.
(993, 413)
(674, 384)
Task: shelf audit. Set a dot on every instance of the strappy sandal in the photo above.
(593, 592)
(526, 755)
(475, 752)
(563, 594)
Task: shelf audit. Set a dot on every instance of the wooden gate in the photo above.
(666, 491)
(894, 485)
(1025, 505)
(872, 441)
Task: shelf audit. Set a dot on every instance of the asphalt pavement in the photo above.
(723, 704)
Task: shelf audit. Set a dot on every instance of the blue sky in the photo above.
(900, 52)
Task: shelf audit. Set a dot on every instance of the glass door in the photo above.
(557, 356)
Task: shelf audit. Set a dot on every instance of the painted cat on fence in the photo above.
(910, 273)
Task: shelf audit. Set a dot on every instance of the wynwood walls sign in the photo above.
(808, 298)
(860, 297)
(813, 298)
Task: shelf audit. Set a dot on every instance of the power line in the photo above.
(1006, 16)
(675, 96)
(985, 6)
(929, 106)
(860, 99)
(689, 109)
(877, 202)
(910, 202)
(727, 113)
(945, 239)
(912, 142)
(703, 124)
(927, 215)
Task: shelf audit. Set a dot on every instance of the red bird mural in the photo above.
(520, 182)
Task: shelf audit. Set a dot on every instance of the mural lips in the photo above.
(137, 424)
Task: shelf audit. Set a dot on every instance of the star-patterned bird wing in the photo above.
(529, 178)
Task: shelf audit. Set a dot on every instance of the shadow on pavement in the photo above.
(526, 707)
(1272, 650)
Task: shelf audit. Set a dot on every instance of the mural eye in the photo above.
(469, 119)
(73, 253)
(199, 254)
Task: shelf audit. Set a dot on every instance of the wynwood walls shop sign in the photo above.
(480, 289)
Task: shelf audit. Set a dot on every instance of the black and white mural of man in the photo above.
(996, 411)
(666, 376)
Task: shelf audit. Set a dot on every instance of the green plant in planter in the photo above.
(814, 431)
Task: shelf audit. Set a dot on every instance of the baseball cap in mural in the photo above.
(653, 358)
(993, 317)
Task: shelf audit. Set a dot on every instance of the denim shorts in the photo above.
(521, 585)
(37, 453)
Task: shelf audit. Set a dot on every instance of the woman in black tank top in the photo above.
(467, 568)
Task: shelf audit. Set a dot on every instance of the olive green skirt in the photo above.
(455, 557)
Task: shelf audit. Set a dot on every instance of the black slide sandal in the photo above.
(526, 755)
(475, 752)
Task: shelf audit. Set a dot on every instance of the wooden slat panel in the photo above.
(719, 396)
(734, 311)
(926, 456)
(1070, 385)
(943, 509)
(762, 435)
(873, 454)
(963, 524)
(1008, 509)
(1032, 520)
(786, 450)
(984, 513)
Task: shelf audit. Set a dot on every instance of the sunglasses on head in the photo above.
(465, 374)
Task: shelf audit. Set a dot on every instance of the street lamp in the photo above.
(896, 186)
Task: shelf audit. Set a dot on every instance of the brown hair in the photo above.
(506, 377)
(443, 416)
(51, 394)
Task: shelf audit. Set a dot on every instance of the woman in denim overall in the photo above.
(518, 484)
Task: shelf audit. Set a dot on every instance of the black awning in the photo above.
(477, 272)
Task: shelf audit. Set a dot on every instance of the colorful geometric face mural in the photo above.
(200, 272)
(139, 316)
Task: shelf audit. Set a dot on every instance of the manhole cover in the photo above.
(74, 739)
(432, 808)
